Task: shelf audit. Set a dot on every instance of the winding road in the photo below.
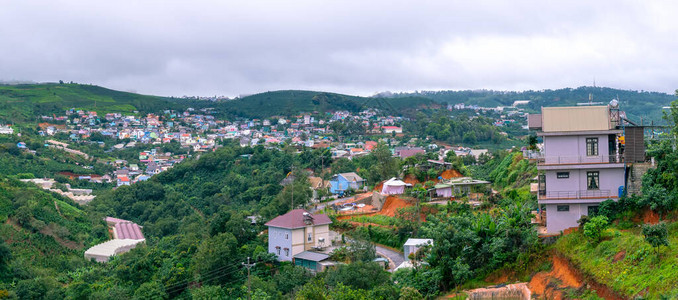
(394, 257)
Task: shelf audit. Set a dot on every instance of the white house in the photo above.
(412, 245)
(297, 231)
(6, 130)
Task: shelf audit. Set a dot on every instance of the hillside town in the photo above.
(198, 131)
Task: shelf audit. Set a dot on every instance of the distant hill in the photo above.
(293, 102)
(637, 104)
(25, 102)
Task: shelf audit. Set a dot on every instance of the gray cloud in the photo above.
(358, 47)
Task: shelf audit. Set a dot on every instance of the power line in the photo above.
(202, 280)
(207, 275)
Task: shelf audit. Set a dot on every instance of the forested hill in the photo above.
(25, 102)
(293, 102)
(41, 236)
(636, 103)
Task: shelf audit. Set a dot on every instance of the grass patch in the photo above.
(376, 219)
(640, 273)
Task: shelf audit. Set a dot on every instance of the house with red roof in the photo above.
(392, 129)
(297, 231)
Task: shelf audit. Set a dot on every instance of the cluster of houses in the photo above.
(507, 114)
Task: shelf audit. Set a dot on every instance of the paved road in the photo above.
(395, 257)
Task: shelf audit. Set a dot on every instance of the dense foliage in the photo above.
(292, 102)
(460, 129)
(43, 233)
(469, 243)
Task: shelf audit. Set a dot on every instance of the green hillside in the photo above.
(26, 102)
(636, 103)
(44, 233)
(293, 102)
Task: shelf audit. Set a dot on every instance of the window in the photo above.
(563, 208)
(277, 249)
(591, 146)
(287, 236)
(592, 180)
(562, 175)
(310, 237)
(287, 251)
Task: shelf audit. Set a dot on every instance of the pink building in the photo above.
(582, 163)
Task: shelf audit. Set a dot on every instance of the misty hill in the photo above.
(293, 102)
(25, 102)
(637, 104)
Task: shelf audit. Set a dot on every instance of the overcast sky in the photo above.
(356, 47)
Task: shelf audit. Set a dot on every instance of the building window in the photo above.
(592, 180)
(562, 175)
(563, 208)
(591, 146)
(287, 236)
(287, 251)
(277, 250)
(310, 237)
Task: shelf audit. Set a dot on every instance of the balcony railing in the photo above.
(575, 160)
(583, 194)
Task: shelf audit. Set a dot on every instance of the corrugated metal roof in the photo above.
(295, 219)
(575, 118)
(352, 177)
(128, 230)
(312, 256)
(534, 121)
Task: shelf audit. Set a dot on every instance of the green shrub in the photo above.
(593, 229)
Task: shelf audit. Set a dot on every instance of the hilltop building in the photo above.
(582, 164)
(297, 231)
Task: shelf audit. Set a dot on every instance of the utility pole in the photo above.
(292, 194)
(249, 265)
(292, 184)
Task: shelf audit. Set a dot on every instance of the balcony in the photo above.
(579, 160)
(583, 194)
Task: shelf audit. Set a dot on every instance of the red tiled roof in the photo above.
(295, 219)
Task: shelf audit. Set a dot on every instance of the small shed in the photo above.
(311, 260)
(394, 187)
(412, 245)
